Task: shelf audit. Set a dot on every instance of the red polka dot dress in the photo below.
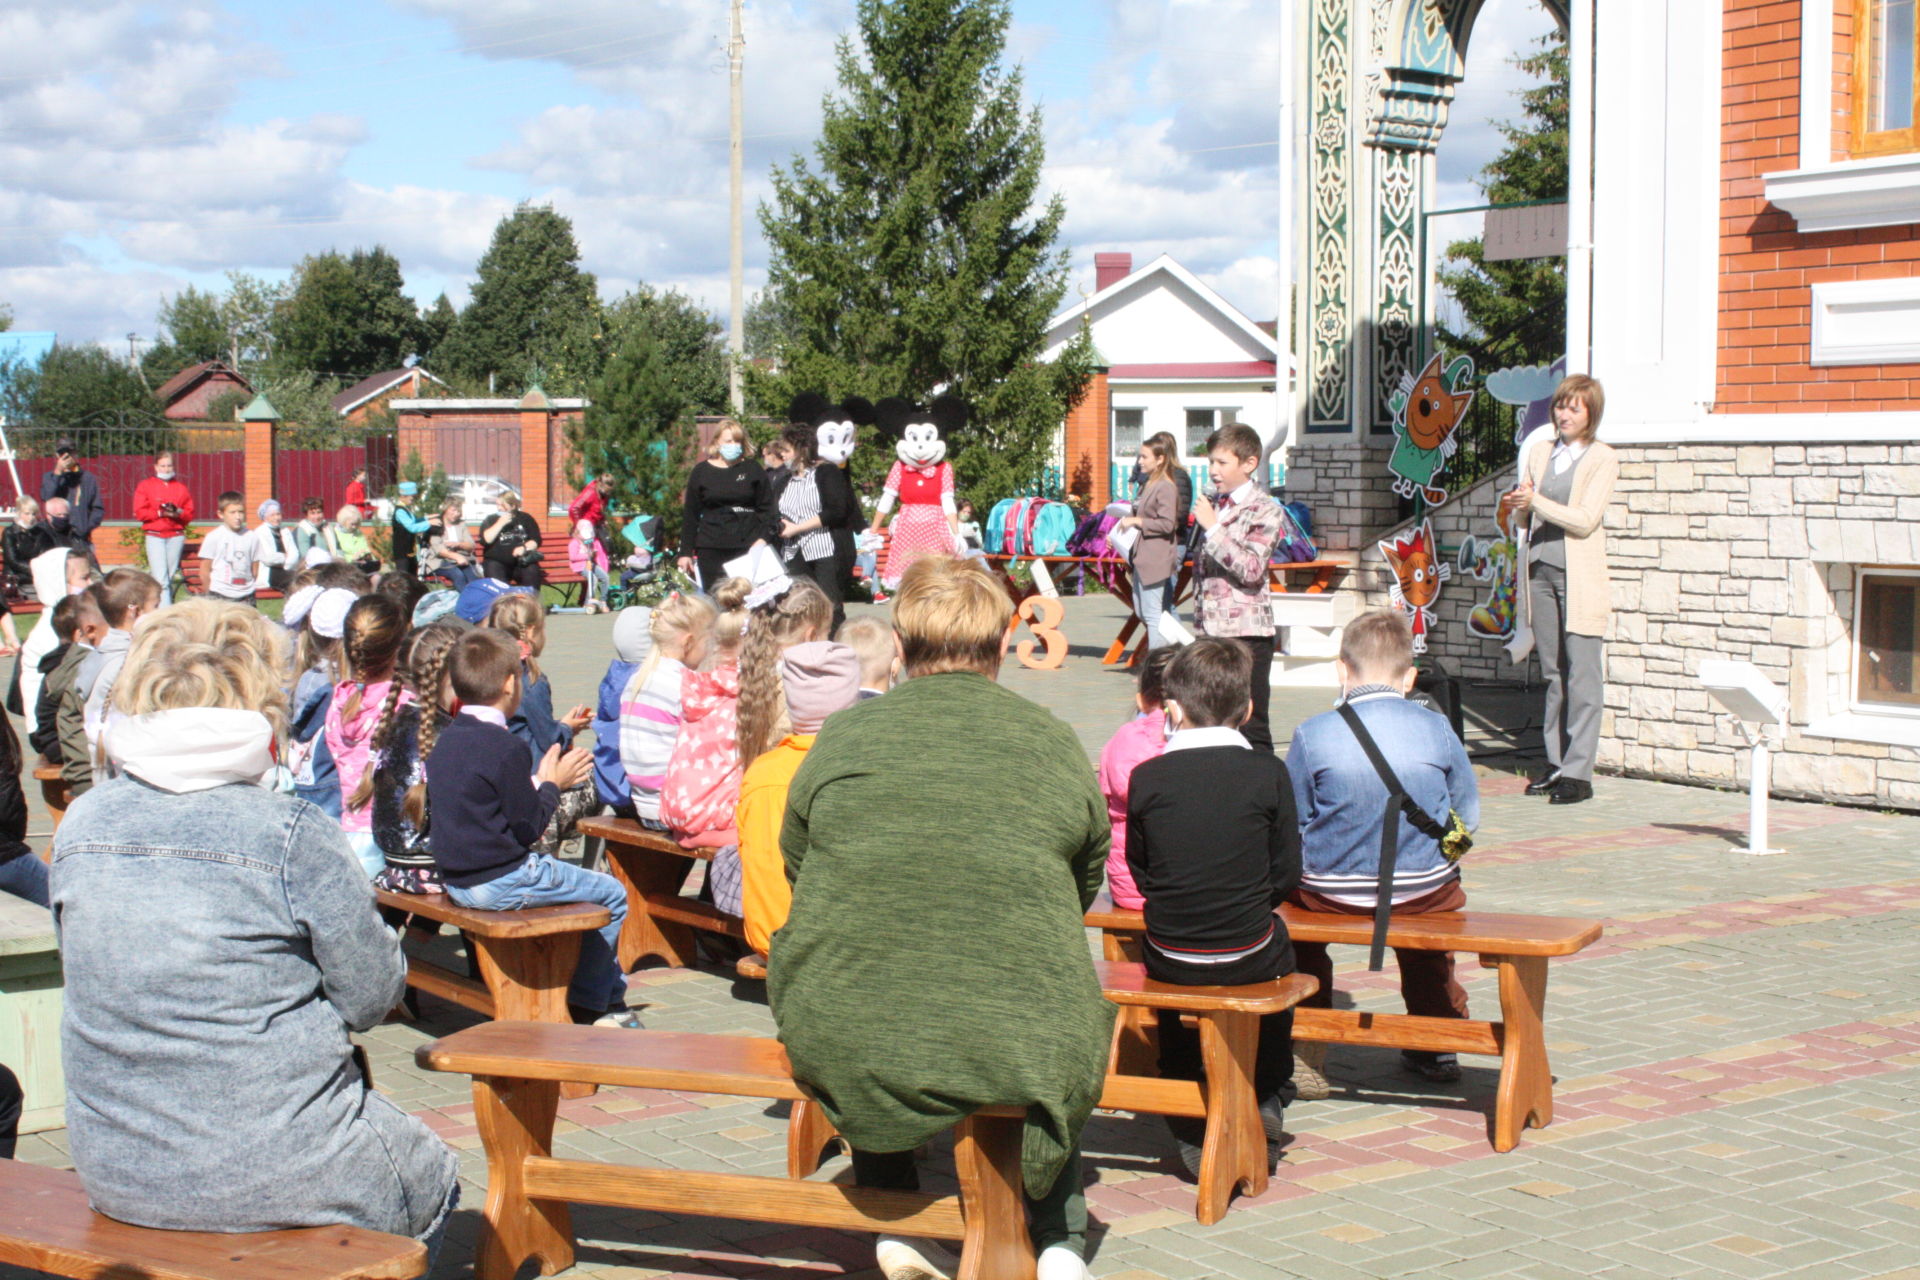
(920, 527)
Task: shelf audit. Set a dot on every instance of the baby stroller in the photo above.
(640, 566)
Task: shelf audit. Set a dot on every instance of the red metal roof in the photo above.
(173, 387)
(1228, 369)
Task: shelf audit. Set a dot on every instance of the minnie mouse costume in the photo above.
(921, 482)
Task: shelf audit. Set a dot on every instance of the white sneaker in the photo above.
(1057, 1262)
(911, 1258)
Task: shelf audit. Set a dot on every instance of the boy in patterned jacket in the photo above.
(1230, 562)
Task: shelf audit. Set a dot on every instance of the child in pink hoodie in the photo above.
(1139, 739)
(587, 556)
(370, 644)
(703, 773)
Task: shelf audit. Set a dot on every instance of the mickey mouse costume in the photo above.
(921, 482)
(826, 492)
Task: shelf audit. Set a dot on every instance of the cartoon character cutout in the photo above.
(1427, 413)
(1418, 572)
(835, 426)
(921, 482)
(1495, 561)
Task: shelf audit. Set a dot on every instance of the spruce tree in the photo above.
(1515, 312)
(914, 256)
(533, 315)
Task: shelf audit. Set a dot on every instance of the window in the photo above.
(1127, 427)
(1202, 423)
(1883, 80)
(1887, 641)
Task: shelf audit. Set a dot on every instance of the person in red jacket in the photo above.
(357, 494)
(590, 504)
(164, 509)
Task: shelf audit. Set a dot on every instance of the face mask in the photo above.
(164, 475)
(730, 452)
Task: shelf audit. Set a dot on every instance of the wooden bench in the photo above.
(54, 791)
(1518, 947)
(1233, 1154)
(652, 866)
(517, 1069)
(48, 1227)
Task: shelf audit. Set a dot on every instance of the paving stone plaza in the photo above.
(1737, 1065)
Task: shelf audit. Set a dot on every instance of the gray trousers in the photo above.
(1575, 668)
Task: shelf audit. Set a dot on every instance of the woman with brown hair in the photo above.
(729, 507)
(817, 511)
(1156, 553)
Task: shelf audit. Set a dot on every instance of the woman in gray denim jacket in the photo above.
(220, 943)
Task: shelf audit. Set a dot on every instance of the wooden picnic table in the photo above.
(1044, 614)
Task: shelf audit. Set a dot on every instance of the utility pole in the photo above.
(736, 289)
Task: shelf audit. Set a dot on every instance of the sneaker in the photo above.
(624, 1018)
(1441, 1068)
(911, 1258)
(881, 597)
(1058, 1262)
(1273, 1117)
(1309, 1072)
(1188, 1134)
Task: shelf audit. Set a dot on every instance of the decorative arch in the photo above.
(1428, 57)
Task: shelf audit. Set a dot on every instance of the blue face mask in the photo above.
(730, 452)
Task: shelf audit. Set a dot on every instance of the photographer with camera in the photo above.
(164, 509)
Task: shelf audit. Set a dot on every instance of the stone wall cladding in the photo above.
(1711, 548)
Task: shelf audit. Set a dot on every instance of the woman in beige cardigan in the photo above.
(1156, 555)
(1567, 479)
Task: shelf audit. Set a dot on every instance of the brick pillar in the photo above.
(1088, 442)
(535, 412)
(259, 424)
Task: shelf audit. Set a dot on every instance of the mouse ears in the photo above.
(895, 414)
(812, 408)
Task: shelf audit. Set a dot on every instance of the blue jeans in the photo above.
(163, 561)
(1150, 600)
(456, 575)
(543, 881)
(25, 877)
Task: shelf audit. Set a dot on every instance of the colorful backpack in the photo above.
(1090, 539)
(1293, 546)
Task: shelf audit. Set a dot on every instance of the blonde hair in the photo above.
(1377, 645)
(28, 506)
(679, 614)
(728, 428)
(1587, 390)
(730, 620)
(521, 617)
(802, 613)
(349, 515)
(873, 641)
(508, 499)
(951, 615)
(205, 653)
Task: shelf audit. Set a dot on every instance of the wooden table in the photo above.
(1044, 614)
(32, 996)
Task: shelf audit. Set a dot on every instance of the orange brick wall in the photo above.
(1767, 266)
(1088, 441)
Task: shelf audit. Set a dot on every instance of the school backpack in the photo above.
(1090, 539)
(1293, 546)
(1049, 528)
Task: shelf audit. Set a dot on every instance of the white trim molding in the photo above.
(1880, 192)
(1866, 321)
(1772, 428)
(1860, 726)
(1816, 91)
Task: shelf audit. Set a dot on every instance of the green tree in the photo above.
(1514, 313)
(194, 331)
(76, 387)
(917, 257)
(534, 315)
(346, 315)
(247, 312)
(436, 322)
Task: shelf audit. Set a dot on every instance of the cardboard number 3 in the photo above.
(1044, 615)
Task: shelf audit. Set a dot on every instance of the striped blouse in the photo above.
(800, 502)
(649, 726)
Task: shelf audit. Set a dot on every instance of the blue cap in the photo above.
(408, 488)
(477, 597)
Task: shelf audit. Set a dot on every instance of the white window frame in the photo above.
(1855, 705)
(1222, 414)
(1114, 450)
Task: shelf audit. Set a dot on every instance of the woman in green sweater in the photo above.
(935, 961)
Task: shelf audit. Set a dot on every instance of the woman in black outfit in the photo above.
(817, 511)
(729, 507)
(513, 544)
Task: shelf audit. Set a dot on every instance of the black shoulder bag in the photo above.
(1454, 839)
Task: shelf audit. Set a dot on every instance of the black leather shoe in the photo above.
(1544, 783)
(1570, 791)
(1273, 1117)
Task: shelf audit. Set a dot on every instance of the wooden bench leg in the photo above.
(644, 872)
(808, 1133)
(515, 1118)
(1134, 1050)
(1234, 1153)
(986, 1153)
(528, 978)
(1525, 1098)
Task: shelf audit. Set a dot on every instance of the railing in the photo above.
(119, 453)
(1120, 478)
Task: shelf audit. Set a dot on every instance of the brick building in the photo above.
(187, 395)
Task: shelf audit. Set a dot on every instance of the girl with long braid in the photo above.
(367, 696)
(400, 750)
(800, 614)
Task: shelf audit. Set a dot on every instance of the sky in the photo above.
(149, 144)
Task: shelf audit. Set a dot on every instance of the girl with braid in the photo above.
(366, 697)
(400, 751)
(799, 615)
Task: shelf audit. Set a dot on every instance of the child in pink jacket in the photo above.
(703, 773)
(1139, 739)
(587, 556)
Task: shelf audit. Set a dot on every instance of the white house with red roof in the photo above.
(1177, 357)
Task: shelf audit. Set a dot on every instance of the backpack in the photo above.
(1090, 539)
(993, 529)
(1049, 528)
(1293, 546)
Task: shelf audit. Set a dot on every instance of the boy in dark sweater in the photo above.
(1214, 848)
(45, 737)
(487, 812)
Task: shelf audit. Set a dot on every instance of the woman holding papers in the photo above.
(1152, 530)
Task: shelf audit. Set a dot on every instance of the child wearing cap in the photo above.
(273, 548)
(632, 641)
(819, 678)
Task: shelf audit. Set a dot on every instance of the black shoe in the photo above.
(1544, 783)
(1570, 791)
(1188, 1134)
(1273, 1117)
(1441, 1068)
